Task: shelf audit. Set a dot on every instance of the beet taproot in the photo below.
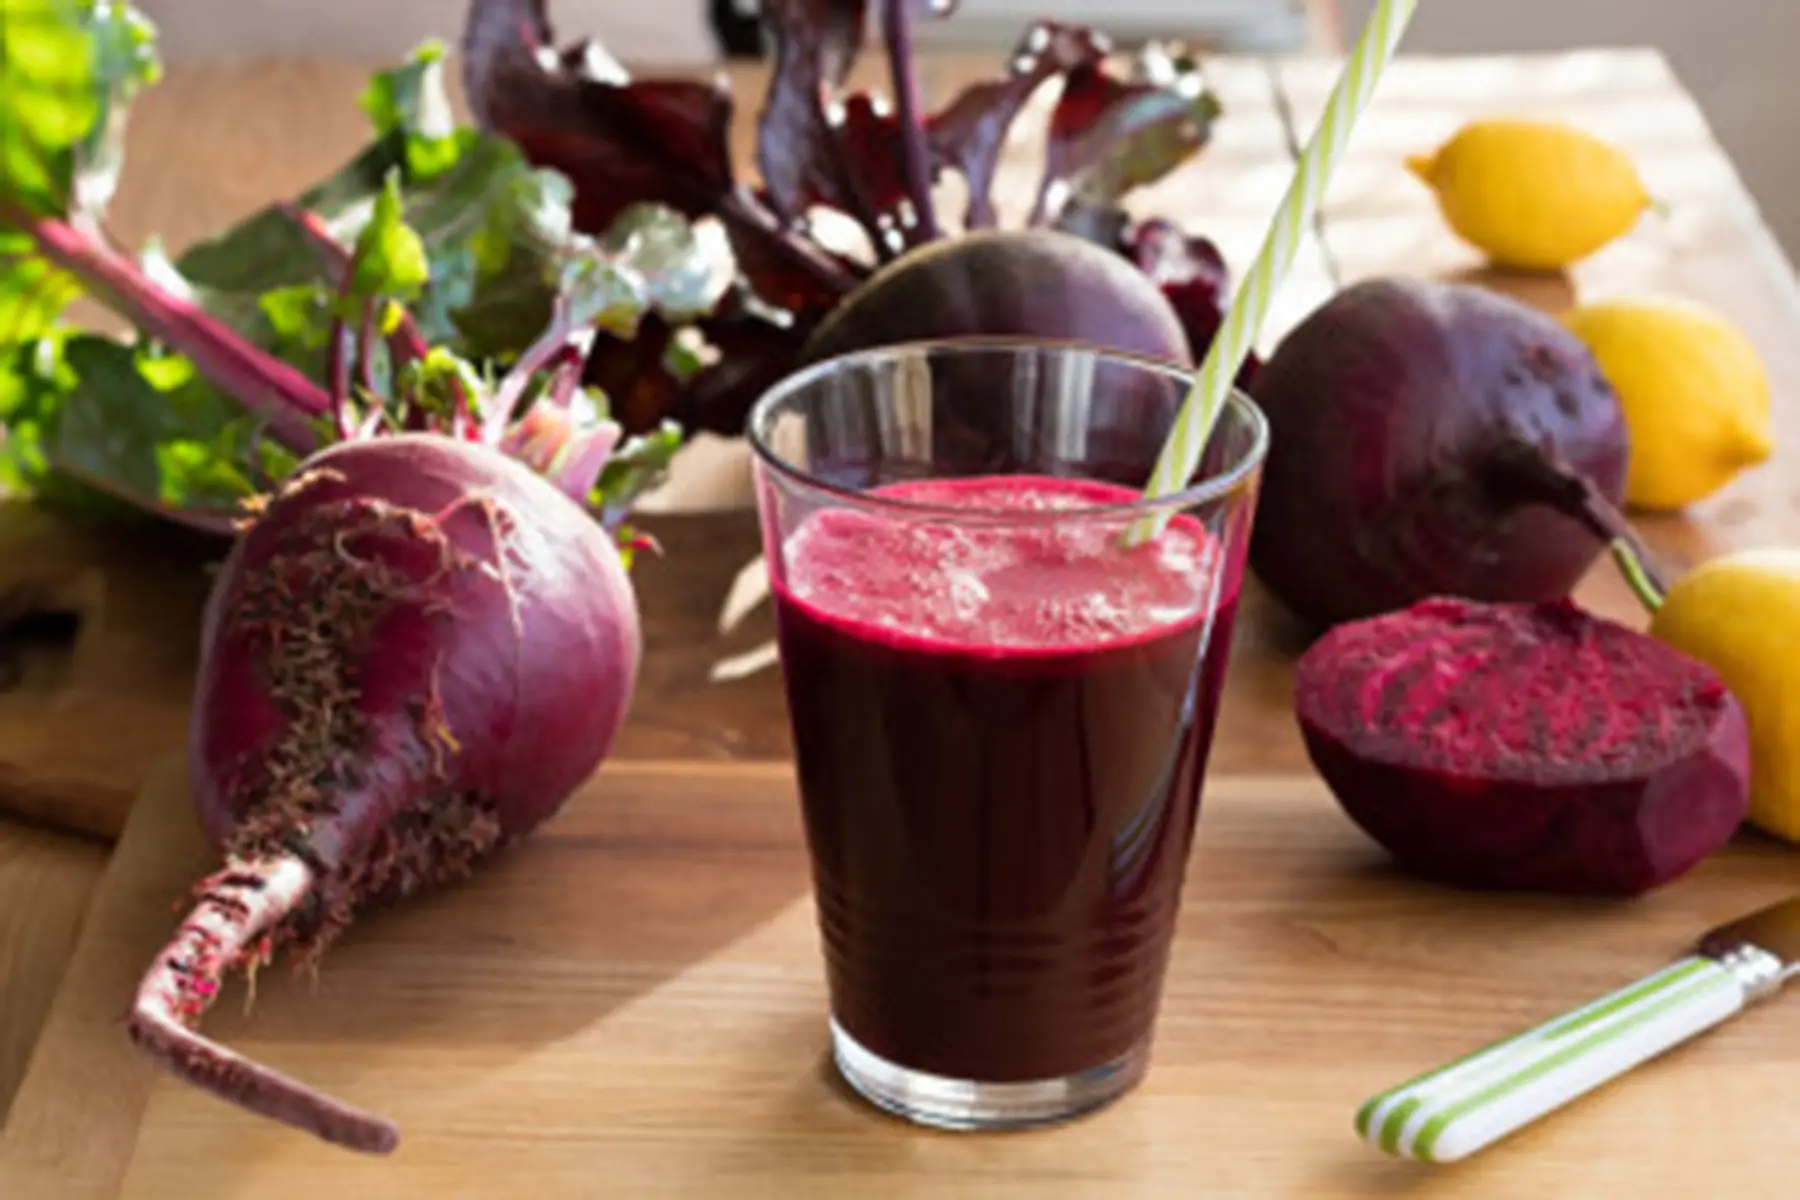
(410, 659)
(1432, 439)
(1513, 746)
(1036, 283)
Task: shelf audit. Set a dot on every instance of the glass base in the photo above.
(967, 1105)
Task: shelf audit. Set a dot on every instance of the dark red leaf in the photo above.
(795, 144)
(1175, 260)
(839, 27)
(1108, 135)
(873, 144)
(753, 356)
(969, 133)
(640, 391)
(752, 353)
(1190, 270)
(620, 142)
(764, 255)
(803, 156)
(1193, 275)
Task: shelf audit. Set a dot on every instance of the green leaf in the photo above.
(493, 229)
(686, 267)
(450, 220)
(33, 294)
(411, 100)
(298, 317)
(148, 422)
(600, 291)
(635, 467)
(91, 422)
(432, 381)
(390, 256)
(1110, 136)
(33, 378)
(68, 72)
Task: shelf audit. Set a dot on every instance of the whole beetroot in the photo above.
(1525, 746)
(1032, 283)
(1432, 439)
(410, 659)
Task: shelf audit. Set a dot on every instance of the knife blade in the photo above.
(1462, 1107)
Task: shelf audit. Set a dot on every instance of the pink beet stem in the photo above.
(238, 906)
(560, 342)
(406, 343)
(337, 368)
(259, 381)
(365, 362)
(915, 155)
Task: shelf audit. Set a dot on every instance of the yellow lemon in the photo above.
(1695, 395)
(1533, 195)
(1740, 614)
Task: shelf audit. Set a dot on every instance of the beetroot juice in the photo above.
(1000, 728)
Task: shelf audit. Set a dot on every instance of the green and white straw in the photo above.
(1212, 385)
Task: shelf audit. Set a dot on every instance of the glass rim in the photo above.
(1210, 488)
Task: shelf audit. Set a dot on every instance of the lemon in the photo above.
(1533, 195)
(1740, 614)
(1694, 392)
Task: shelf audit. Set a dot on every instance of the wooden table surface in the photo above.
(215, 142)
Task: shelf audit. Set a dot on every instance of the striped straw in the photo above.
(1212, 385)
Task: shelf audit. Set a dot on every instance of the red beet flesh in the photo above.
(1525, 746)
(1431, 439)
(412, 658)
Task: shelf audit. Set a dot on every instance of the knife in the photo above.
(1450, 1113)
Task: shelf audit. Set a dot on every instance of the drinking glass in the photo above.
(1001, 702)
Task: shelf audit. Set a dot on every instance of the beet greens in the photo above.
(266, 341)
(435, 283)
(846, 180)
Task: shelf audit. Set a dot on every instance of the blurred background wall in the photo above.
(1739, 57)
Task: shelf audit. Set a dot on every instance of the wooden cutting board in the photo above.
(45, 881)
(98, 630)
(632, 1004)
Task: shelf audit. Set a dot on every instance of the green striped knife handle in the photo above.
(1458, 1109)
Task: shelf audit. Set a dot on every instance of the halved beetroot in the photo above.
(1525, 746)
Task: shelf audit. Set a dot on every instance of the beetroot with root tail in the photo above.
(1525, 746)
(412, 657)
(1432, 439)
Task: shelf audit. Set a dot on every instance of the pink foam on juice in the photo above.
(952, 583)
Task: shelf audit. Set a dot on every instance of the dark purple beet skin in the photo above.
(1432, 439)
(410, 659)
(1036, 283)
(1525, 747)
(532, 686)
